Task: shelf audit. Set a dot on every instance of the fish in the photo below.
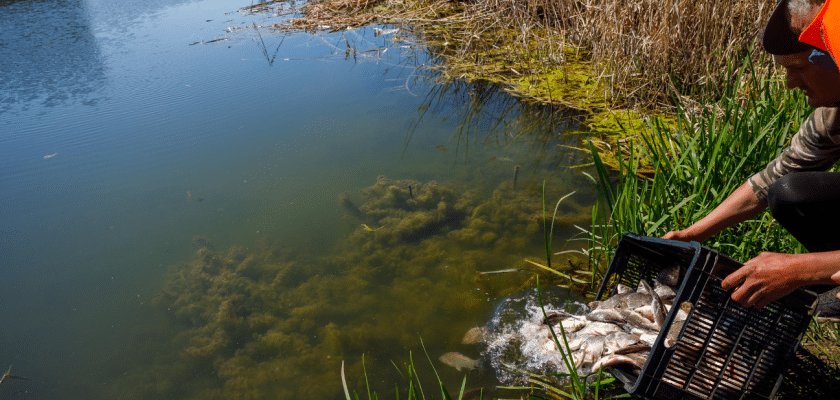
(459, 361)
(635, 360)
(591, 350)
(369, 229)
(623, 289)
(573, 324)
(621, 301)
(665, 292)
(656, 302)
(619, 331)
(606, 315)
(635, 319)
(50, 155)
(622, 342)
(669, 276)
(599, 329)
(473, 336)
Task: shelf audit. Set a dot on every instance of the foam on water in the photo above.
(518, 340)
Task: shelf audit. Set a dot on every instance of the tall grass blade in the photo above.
(344, 382)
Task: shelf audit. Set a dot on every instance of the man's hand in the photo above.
(765, 278)
(685, 235)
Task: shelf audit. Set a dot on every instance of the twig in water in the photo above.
(8, 374)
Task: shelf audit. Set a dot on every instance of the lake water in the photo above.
(232, 219)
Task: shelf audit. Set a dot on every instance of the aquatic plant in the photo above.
(414, 391)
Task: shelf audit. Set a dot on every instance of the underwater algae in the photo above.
(274, 322)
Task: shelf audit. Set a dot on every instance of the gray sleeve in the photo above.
(815, 147)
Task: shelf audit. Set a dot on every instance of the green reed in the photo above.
(713, 149)
(414, 389)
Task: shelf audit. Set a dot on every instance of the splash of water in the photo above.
(518, 340)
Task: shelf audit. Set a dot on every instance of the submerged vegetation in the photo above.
(274, 322)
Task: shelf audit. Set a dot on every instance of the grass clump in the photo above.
(673, 175)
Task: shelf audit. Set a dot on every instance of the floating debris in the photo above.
(378, 31)
(8, 375)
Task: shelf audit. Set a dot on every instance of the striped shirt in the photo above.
(815, 147)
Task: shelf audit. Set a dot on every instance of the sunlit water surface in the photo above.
(186, 219)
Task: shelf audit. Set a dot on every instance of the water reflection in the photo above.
(50, 56)
(488, 116)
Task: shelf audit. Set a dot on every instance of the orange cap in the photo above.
(824, 30)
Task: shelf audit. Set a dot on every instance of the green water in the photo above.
(218, 224)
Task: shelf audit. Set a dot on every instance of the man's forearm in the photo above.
(740, 206)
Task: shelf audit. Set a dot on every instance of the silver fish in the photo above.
(658, 308)
(459, 361)
(573, 324)
(606, 315)
(622, 300)
(637, 320)
(669, 276)
(474, 335)
(623, 289)
(635, 360)
(623, 343)
(665, 292)
(599, 329)
(590, 351)
(576, 342)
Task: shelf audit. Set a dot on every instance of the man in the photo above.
(803, 199)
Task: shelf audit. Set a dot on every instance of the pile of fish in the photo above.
(617, 332)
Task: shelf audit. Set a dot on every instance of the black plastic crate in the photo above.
(724, 351)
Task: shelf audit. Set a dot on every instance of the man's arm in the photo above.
(740, 206)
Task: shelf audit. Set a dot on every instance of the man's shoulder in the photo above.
(827, 120)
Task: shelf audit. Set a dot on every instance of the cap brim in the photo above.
(778, 38)
(824, 30)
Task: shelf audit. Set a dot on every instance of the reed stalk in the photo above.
(587, 52)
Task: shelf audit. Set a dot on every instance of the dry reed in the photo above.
(637, 49)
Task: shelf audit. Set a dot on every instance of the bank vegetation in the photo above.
(578, 53)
